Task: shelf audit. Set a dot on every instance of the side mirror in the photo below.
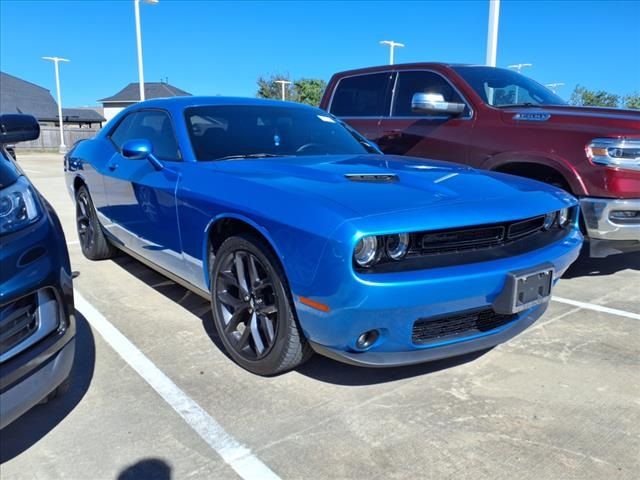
(140, 149)
(16, 128)
(434, 103)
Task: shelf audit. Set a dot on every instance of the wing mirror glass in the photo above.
(431, 103)
(140, 149)
(16, 128)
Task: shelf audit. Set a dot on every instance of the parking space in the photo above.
(562, 400)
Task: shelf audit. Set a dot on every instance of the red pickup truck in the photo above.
(498, 119)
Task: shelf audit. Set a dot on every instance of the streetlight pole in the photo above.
(492, 32)
(392, 46)
(282, 84)
(136, 7)
(56, 60)
(554, 86)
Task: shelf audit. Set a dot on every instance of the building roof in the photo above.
(20, 96)
(131, 92)
(83, 114)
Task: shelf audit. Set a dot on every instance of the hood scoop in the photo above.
(373, 177)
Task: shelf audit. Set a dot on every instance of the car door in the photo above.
(361, 101)
(437, 136)
(141, 199)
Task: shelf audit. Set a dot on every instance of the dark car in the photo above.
(500, 120)
(37, 326)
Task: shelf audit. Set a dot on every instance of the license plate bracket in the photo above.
(525, 289)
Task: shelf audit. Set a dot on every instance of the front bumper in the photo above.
(32, 261)
(28, 392)
(392, 303)
(609, 235)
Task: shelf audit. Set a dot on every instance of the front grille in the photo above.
(427, 330)
(456, 240)
(28, 320)
(18, 321)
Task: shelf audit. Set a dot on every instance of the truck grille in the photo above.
(445, 241)
(18, 320)
(466, 323)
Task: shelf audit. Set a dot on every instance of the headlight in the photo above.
(397, 246)
(615, 152)
(18, 206)
(549, 219)
(563, 217)
(366, 251)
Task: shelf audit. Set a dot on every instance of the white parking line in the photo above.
(597, 308)
(236, 455)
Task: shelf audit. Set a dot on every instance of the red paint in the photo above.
(491, 138)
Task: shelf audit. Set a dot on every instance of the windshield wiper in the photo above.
(252, 155)
(522, 105)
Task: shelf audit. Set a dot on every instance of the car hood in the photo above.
(416, 185)
(609, 121)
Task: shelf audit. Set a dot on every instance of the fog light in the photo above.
(367, 339)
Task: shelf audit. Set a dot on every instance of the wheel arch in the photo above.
(227, 225)
(537, 168)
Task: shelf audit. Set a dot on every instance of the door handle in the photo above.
(112, 166)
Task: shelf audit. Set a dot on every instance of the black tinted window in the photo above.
(361, 96)
(152, 125)
(420, 82)
(238, 130)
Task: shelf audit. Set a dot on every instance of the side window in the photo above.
(361, 96)
(153, 125)
(420, 82)
(120, 134)
(156, 127)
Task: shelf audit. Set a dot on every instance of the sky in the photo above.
(220, 48)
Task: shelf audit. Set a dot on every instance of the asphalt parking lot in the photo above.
(156, 397)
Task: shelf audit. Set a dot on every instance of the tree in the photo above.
(632, 101)
(584, 97)
(309, 90)
(303, 90)
(268, 88)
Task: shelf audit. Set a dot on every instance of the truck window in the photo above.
(420, 82)
(361, 96)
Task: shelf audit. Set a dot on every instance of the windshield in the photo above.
(499, 87)
(245, 131)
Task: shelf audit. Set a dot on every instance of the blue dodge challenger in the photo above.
(306, 238)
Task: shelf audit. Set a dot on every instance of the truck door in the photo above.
(362, 100)
(438, 136)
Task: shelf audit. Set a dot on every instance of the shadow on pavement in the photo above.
(27, 430)
(188, 300)
(330, 371)
(585, 266)
(318, 367)
(149, 468)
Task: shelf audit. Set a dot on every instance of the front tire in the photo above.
(93, 242)
(252, 308)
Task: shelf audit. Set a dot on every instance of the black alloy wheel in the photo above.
(252, 307)
(93, 242)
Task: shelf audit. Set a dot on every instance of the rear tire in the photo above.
(93, 242)
(252, 308)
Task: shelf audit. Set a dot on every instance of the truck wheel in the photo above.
(93, 242)
(252, 308)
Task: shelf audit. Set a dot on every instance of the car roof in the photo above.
(198, 101)
(403, 66)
